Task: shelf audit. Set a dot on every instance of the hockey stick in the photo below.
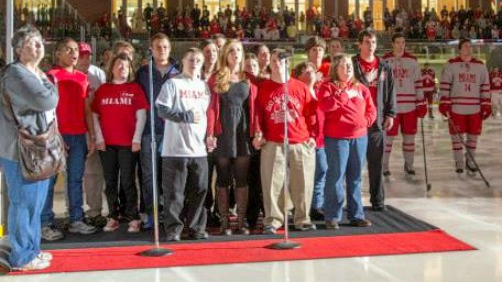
(428, 186)
(469, 155)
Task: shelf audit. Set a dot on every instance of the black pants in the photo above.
(255, 203)
(374, 156)
(120, 161)
(184, 182)
(211, 165)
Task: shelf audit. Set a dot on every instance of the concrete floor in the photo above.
(460, 205)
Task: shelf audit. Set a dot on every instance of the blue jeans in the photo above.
(145, 158)
(321, 167)
(26, 200)
(345, 163)
(75, 165)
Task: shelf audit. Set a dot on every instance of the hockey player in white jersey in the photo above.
(410, 102)
(496, 88)
(465, 99)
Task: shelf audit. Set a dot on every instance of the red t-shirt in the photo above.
(116, 105)
(367, 68)
(349, 111)
(270, 116)
(324, 68)
(73, 90)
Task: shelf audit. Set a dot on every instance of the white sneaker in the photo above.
(134, 226)
(111, 225)
(45, 256)
(35, 264)
(81, 227)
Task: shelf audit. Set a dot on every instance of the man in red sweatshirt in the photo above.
(269, 136)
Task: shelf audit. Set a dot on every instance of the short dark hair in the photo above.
(218, 35)
(301, 67)
(365, 33)
(462, 41)
(396, 36)
(62, 42)
(257, 48)
(205, 43)
(315, 41)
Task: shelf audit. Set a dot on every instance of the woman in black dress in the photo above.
(230, 129)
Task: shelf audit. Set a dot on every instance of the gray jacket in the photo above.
(34, 101)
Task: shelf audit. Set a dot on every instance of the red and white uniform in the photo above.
(407, 81)
(429, 84)
(465, 96)
(465, 86)
(408, 86)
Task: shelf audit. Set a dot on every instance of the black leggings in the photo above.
(233, 168)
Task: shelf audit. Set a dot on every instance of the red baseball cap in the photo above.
(84, 48)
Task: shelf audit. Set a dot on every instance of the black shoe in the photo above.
(460, 170)
(173, 237)
(316, 214)
(332, 224)
(378, 208)
(360, 223)
(409, 171)
(386, 173)
(212, 220)
(306, 227)
(198, 235)
(98, 221)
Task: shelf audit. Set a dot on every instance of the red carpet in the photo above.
(254, 251)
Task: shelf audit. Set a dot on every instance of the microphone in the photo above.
(284, 55)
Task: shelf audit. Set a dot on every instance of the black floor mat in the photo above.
(390, 221)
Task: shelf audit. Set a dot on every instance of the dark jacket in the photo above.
(158, 81)
(386, 95)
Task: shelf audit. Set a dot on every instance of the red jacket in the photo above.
(301, 109)
(213, 112)
(348, 111)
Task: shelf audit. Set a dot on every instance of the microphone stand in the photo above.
(286, 244)
(157, 251)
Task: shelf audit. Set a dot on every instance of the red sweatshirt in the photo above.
(348, 111)
(270, 115)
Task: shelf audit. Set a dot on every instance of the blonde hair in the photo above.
(223, 72)
(335, 62)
